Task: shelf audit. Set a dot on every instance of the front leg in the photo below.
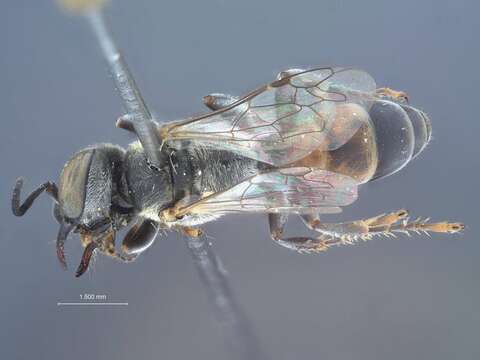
(190, 231)
(174, 218)
(139, 238)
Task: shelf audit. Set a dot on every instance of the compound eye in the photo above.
(72, 189)
(140, 237)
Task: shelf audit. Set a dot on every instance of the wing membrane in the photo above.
(290, 190)
(286, 120)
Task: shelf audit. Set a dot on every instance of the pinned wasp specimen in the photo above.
(299, 145)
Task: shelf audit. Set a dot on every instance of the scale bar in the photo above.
(92, 303)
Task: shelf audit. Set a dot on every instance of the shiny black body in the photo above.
(104, 188)
(121, 186)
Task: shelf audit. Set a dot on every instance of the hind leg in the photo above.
(346, 233)
(382, 225)
(300, 244)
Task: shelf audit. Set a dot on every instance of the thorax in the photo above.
(189, 174)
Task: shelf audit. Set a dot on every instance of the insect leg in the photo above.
(125, 122)
(20, 209)
(387, 93)
(382, 225)
(191, 231)
(105, 243)
(217, 101)
(277, 223)
(108, 248)
(289, 72)
(301, 244)
(140, 237)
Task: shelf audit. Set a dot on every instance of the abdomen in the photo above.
(394, 134)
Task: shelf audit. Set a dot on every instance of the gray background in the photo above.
(411, 298)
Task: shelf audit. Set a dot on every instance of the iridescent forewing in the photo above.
(286, 120)
(298, 190)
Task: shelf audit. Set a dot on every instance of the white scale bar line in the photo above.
(91, 303)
